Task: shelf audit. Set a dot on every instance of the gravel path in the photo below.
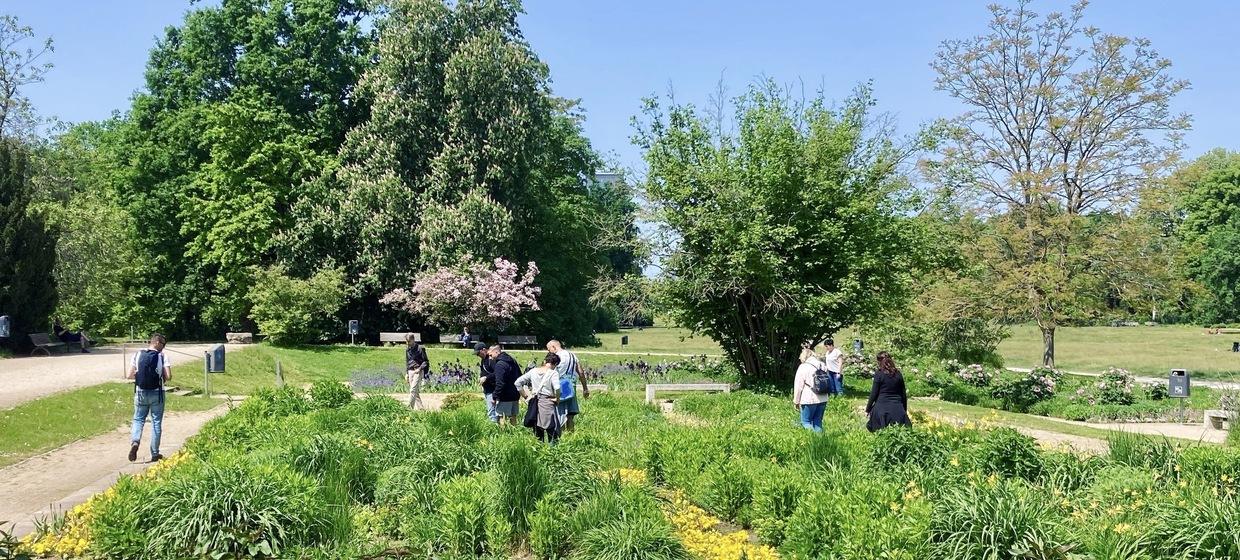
(1229, 385)
(56, 481)
(27, 379)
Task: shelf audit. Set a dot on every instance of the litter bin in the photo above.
(355, 327)
(1178, 384)
(215, 359)
(4, 326)
(857, 346)
(624, 340)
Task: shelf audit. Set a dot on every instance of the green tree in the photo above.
(21, 64)
(27, 250)
(1208, 210)
(243, 102)
(1063, 121)
(786, 230)
(464, 152)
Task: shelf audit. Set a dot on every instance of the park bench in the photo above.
(453, 339)
(42, 341)
(1213, 419)
(392, 338)
(518, 340)
(653, 388)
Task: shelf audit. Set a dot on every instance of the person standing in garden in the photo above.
(888, 404)
(569, 370)
(541, 386)
(833, 362)
(808, 398)
(149, 370)
(465, 338)
(487, 378)
(417, 365)
(506, 398)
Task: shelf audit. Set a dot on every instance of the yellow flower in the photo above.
(1122, 528)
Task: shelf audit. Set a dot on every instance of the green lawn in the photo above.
(253, 367)
(1149, 351)
(48, 423)
(671, 340)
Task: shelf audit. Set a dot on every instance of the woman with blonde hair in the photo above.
(805, 394)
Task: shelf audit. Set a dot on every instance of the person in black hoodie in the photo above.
(507, 399)
(417, 365)
(487, 378)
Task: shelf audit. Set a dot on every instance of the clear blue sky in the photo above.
(611, 53)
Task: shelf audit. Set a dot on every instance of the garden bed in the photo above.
(322, 475)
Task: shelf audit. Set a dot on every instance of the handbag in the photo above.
(531, 412)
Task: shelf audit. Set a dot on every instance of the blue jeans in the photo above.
(494, 416)
(811, 416)
(148, 401)
(837, 383)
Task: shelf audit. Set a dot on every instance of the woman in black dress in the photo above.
(888, 402)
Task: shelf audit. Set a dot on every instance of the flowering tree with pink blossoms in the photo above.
(470, 294)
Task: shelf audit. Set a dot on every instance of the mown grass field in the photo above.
(48, 423)
(1151, 351)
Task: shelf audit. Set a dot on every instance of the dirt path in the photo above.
(1227, 385)
(1193, 432)
(56, 481)
(27, 379)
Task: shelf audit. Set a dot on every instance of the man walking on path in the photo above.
(569, 370)
(507, 399)
(487, 378)
(416, 367)
(149, 370)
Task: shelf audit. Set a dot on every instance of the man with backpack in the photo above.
(149, 370)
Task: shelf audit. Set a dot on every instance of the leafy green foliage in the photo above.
(640, 537)
(27, 251)
(821, 242)
(1005, 519)
(1008, 453)
(456, 401)
(291, 310)
(330, 394)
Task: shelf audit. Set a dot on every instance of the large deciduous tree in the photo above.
(1063, 121)
(464, 152)
(1208, 207)
(787, 229)
(22, 63)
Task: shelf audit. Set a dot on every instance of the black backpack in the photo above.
(822, 381)
(149, 376)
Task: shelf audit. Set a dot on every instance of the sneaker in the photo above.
(156, 458)
(133, 452)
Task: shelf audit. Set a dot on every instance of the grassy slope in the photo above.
(48, 423)
(1149, 351)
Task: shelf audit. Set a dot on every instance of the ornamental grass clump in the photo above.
(996, 519)
(522, 481)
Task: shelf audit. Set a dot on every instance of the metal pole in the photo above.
(279, 375)
(206, 374)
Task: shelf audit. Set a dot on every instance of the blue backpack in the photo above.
(149, 375)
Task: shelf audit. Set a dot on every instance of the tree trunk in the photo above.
(1048, 346)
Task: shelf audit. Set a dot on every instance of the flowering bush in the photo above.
(1020, 393)
(470, 294)
(1114, 387)
(975, 375)
(859, 366)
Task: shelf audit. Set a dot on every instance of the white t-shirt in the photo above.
(542, 382)
(834, 360)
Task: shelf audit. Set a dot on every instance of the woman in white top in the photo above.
(544, 383)
(810, 403)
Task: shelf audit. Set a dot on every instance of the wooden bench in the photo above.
(455, 339)
(1214, 419)
(42, 341)
(653, 388)
(518, 340)
(392, 338)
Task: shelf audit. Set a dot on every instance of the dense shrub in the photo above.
(285, 401)
(623, 539)
(330, 394)
(1008, 453)
(1005, 519)
(235, 509)
(899, 447)
(1019, 393)
(962, 393)
(465, 513)
(291, 310)
(1114, 387)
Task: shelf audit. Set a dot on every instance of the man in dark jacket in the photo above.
(487, 378)
(417, 366)
(507, 399)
